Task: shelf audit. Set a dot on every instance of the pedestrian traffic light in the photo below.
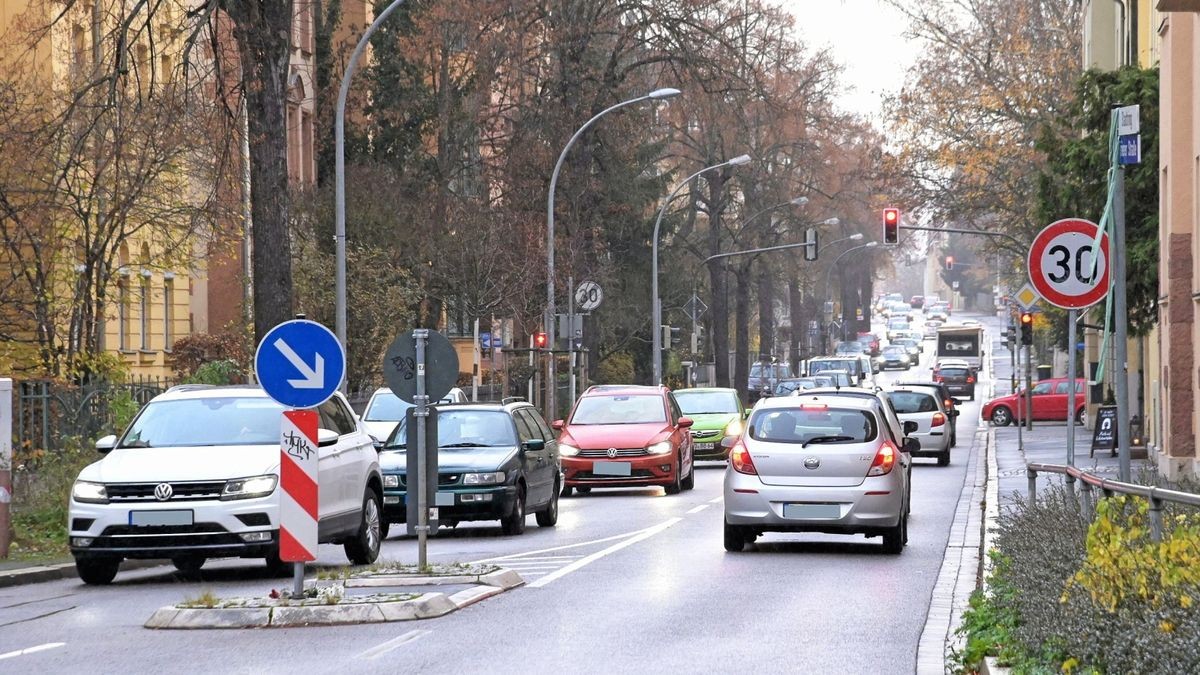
(1026, 328)
(949, 262)
(891, 226)
(540, 340)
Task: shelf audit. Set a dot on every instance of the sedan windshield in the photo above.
(464, 429)
(809, 425)
(702, 402)
(638, 409)
(386, 407)
(199, 422)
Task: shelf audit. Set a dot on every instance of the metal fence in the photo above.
(48, 411)
(1090, 482)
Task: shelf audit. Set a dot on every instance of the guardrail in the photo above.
(1090, 481)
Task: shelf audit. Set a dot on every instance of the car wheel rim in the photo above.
(372, 518)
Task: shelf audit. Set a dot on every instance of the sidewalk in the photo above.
(1047, 443)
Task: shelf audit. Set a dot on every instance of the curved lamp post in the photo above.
(551, 310)
(655, 303)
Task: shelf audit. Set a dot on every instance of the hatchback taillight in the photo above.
(884, 460)
(739, 459)
(938, 420)
(937, 378)
(970, 380)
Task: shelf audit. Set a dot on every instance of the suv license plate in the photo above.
(704, 446)
(612, 468)
(153, 518)
(810, 511)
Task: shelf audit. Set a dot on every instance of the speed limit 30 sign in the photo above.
(1063, 266)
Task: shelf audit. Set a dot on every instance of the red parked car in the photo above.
(1049, 403)
(626, 435)
(871, 340)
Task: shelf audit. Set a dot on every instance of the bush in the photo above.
(40, 495)
(220, 372)
(189, 354)
(615, 369)
(1067, 594)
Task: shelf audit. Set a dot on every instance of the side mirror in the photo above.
(685, 422)
(911, 445)
(533, 445)
(910, 427)
(557, 425)
(745, 414)
(377, 443)
(326, 437)
(106, 444)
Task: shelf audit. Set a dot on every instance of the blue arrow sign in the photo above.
(300, 363)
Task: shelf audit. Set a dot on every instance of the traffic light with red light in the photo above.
(1026, 328)
(540, 340)
(949, 262)
(891, 226)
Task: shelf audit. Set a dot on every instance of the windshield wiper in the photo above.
(465, 445)
(827, 439)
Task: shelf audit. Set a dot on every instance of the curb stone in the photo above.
(36, 574)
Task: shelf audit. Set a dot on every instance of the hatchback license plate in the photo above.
(153, 518)
(812, 511)
(705, 446)
(612, 468)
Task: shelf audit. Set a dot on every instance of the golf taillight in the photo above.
(739, 459)
(884, 460)
(938, 420)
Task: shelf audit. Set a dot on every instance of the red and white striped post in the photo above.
(299, 491)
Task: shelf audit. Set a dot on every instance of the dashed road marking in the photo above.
(717, 500)
(697, 509)
(396, 642)
(32, 650)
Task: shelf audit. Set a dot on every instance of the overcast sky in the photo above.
(866, 37)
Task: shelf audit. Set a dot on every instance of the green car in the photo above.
(715, 413)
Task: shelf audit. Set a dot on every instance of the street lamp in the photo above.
(870, 244)
(551, 384)
(857, 236)
(655, 303)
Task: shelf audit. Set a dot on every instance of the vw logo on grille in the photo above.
(612, 452)
(163, 491)
(812, 462)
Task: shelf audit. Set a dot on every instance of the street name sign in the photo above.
(300, 363)
(1063, 266)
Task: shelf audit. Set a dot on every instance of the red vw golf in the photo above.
(626, 435)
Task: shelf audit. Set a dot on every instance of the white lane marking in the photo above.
(718, 500)
(523, 556)
(697, 509)
(544, 558)
(32, 650)
(587, 560)
(381, 649)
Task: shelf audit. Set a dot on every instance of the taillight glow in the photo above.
(884, 460)
(938, 420)
(970, 380)
(814, 406)
(937, 378)
(739, 459)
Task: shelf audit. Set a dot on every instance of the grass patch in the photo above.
(206, 600)
(41, 491)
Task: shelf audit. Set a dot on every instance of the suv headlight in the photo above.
(659, 448)
(734, 428)
(249, 488)
(493, 478)
(89, 492)
(567, 450)
(391, 480)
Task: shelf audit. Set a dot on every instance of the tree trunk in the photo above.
(741, 319)
(766, 311)
(262, 30)
(719, 322)
(795, 312)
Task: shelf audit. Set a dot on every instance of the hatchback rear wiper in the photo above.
(827, 439)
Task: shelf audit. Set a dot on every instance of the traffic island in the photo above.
(381, 593)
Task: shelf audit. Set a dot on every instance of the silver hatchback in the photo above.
(818, 463)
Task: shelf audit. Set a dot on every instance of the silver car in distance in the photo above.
(818, 463)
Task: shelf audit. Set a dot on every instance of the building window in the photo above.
(144, 312)
(168, 312)
(305, 151)
(123, 315)
(78, 50)
(304, 23)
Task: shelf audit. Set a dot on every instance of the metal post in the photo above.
(1071, 487)
(1087, 499)
(571, 336)
(1029, 387)
(420, 417)
(1156, 522)
(1020, 423)
(339, 171)
(1071, 387)
(6, 425)
(1031, 476)
(1122, 328)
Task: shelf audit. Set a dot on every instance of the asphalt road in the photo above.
(629, 581)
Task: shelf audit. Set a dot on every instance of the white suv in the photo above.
(195, 477)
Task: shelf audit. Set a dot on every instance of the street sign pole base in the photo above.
(298, 580)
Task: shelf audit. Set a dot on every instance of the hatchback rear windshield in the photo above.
(907, 402)
(953, 372)
(196, 422)
(817, 365)
(637, 409)
(813, 424)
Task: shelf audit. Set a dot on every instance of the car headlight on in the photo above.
(567, 450)
(734, 428)
(391, 480)
(492, 478)
(89, 492)
(249, 488)
(659, 448)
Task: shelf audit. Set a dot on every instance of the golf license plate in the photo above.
(612, 468)
(159, 518)
(812, 511)
(704, 446)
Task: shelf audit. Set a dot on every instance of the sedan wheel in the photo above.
(1002, 416)
(514, 522)
(676, 485)
(1081, 416)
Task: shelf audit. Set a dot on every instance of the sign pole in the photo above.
(1029, 387)
(420, 416)
(1071, 313)
(1122, 332)
(1014, 378)
(571, 338)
